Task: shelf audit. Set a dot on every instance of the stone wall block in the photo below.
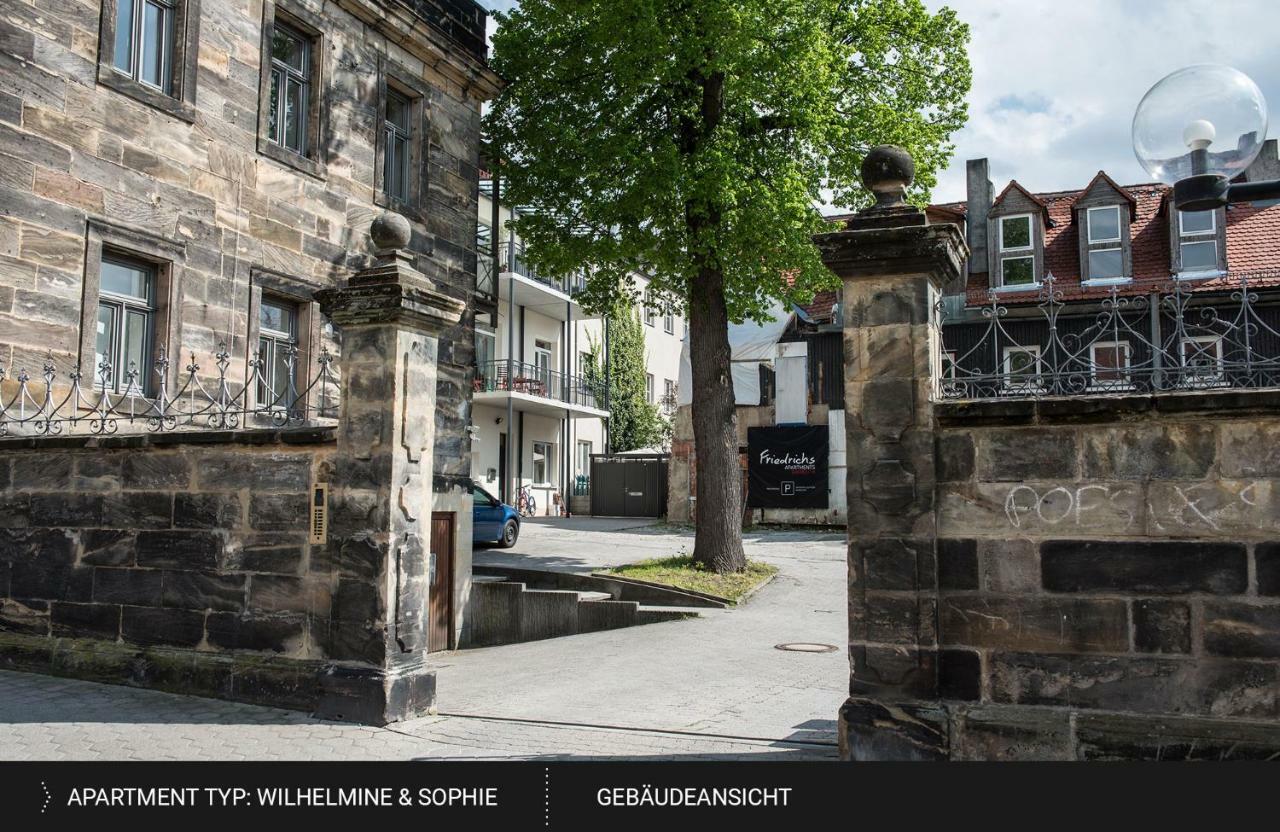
(1168, 685)
(276, 512)
(1266, 558)
(203, 591)
(139, 587)
(1177, 451)
(1161, 626)
(1010, 565)
(1027, 454)
(1249, 448)
(153, 470)
(1159, 567)
(85, 620)
(200, 510)
(1246, 630)
(152, 625)
(1035, 623)
(138, 510)
(179, 549)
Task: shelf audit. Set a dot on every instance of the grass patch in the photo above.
(682, 573)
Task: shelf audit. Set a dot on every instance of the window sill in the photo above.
(1025, 287)
(1202, 275)
(310, 167)
(152, 97)
(1106, 281)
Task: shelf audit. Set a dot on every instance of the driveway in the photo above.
(720, 674)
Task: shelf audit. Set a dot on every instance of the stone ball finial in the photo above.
(390, 231)
(887, 170)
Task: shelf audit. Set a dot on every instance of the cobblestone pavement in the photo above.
(712, 688)
(46, 718)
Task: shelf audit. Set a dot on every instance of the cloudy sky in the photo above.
(1055, 82)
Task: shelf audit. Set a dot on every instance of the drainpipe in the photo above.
(509, 495)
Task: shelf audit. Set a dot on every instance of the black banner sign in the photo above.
(787, 467)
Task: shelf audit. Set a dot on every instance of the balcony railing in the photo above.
(512, 259)
(517, 377)
(1174, 340)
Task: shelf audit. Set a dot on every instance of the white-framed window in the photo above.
(948, 368)
(584, 458)
(542, 360)
(290, 91)
(585, 364)
(1017, 251)
(1197, 242)
(1104, 224)
(1201, 359)
(145, 41)
(669, 322)
(126, 326)
(1022, 368)
(1106, 255)
(648, 387)
(1109, 365)
(278, 353)
(486, 351)
(669, 390)
(648, 308)
(542, 462)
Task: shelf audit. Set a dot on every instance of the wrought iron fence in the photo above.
(48, 405)
(534, 380)
(1173, 339)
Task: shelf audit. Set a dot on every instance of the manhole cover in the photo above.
(805, 647)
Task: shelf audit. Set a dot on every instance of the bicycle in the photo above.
(526, 504)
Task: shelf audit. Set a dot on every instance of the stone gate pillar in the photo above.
(380, 484)
(893, 265)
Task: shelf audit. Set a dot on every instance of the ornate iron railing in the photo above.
(1173, 339)
(44, 406)
(518, 377)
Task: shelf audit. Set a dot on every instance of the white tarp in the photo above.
(750, 345)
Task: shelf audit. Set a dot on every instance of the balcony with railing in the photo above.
(537, 389)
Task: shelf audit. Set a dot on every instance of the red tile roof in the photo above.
(819, 311)
(1253, 245)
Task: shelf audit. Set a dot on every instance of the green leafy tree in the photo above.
(634, 421)
(694, 140)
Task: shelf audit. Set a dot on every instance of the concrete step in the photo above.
(508, 612)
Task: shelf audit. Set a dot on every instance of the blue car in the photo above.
(493, 521)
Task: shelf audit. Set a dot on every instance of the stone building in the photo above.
(182, 181)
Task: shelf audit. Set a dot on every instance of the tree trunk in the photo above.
(718, 523)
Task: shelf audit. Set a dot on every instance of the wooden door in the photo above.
(440, 593)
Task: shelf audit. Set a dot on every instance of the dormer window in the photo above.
(1105, 248)
(1017, 251)
(1198, 241)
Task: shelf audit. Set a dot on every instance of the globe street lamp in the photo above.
(1198, 129)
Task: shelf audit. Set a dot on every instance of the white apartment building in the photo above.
(535, 421)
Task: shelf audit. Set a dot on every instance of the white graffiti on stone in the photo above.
(1062, 504)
